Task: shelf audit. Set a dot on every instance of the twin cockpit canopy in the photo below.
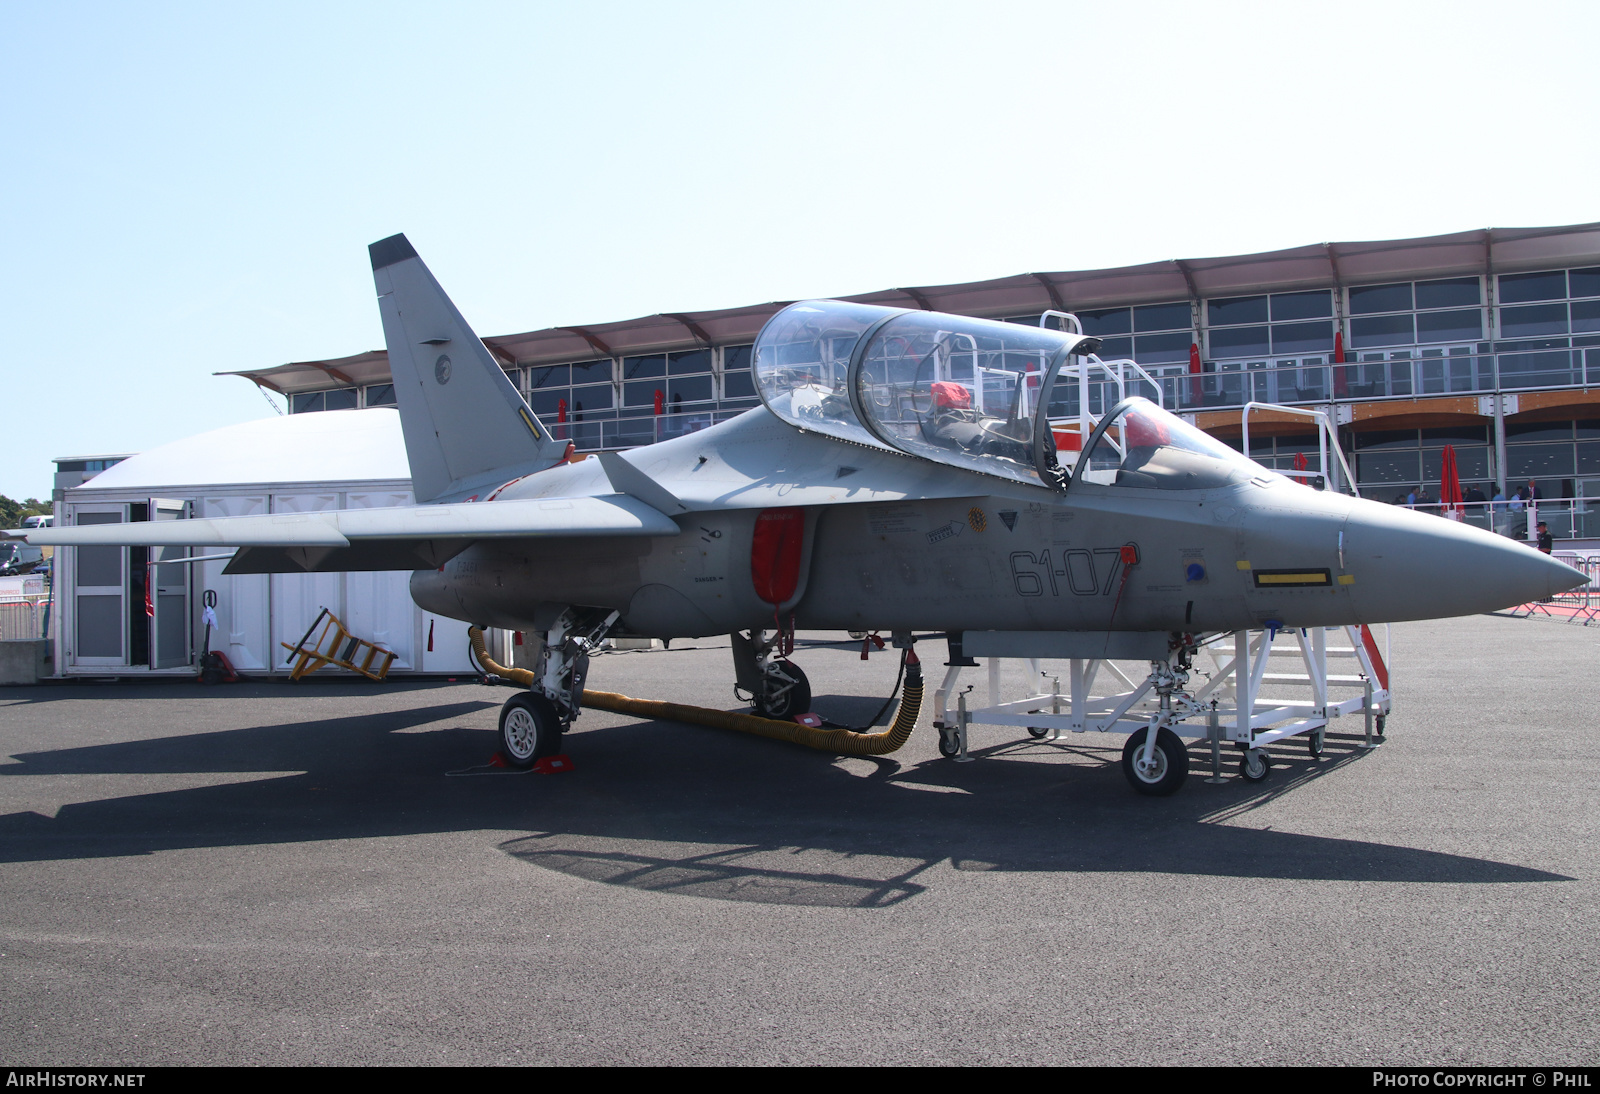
(979, 394)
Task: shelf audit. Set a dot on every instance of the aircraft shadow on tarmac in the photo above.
(688, 810)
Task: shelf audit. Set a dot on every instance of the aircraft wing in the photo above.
(400, 537)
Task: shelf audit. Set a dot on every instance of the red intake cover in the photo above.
(775, 553)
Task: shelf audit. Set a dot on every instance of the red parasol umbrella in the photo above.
(1195, 397)
(1450, 485)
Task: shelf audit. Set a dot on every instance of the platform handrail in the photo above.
(1327, 439)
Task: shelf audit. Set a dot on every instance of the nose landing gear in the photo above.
(1157, 772)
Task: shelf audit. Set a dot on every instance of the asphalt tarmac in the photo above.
(290, 874)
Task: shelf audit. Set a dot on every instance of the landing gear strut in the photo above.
(776, 686)
(1154, 760)
(531, 723)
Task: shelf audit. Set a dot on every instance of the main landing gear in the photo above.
(532, 722)
(530, 729)
(775, 686)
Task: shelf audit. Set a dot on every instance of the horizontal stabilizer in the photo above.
(522, 518)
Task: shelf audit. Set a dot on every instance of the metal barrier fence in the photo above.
(1381, 374)
(26, 618)
(612, 433)
(1580, 605)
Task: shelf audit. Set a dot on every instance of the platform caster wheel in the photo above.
(1037, 733)
(785, 692)
(1315, 742)
(1379, 724)
(949, 744)
(1168, 767)
(1255, 765)
(529, 729)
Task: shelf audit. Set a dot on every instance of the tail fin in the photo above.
(466, 428)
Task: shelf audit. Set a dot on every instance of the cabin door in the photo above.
(99, 578)
(170, 643)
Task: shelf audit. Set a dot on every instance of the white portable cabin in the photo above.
(299, 463)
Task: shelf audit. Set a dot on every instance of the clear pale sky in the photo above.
(191, 188)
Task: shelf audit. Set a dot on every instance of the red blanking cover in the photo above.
(775, 553)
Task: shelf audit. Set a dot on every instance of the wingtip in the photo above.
(386, 252)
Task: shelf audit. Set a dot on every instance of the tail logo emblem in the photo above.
(441, 370)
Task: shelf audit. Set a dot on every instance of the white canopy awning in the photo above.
(342, 446)
(1483, 251)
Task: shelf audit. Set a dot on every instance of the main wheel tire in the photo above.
(1169, 765)
(785, 692)
(1254, 765)
(529, 729)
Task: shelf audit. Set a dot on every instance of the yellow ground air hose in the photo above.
(843, 742)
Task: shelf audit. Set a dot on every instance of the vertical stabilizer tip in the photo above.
(386, 252)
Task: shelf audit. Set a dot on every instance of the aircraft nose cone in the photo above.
(1410, 565)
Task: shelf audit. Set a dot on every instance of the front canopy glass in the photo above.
(1139, 445)
(960, 391)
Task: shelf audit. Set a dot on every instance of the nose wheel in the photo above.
(1163, 771)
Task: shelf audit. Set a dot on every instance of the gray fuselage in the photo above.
(893, 542)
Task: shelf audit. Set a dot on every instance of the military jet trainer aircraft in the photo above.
(908, 471)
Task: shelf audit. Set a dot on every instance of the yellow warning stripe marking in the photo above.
(1318, 578)
(527, 420)
(1347, 579)
(1242, 564)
